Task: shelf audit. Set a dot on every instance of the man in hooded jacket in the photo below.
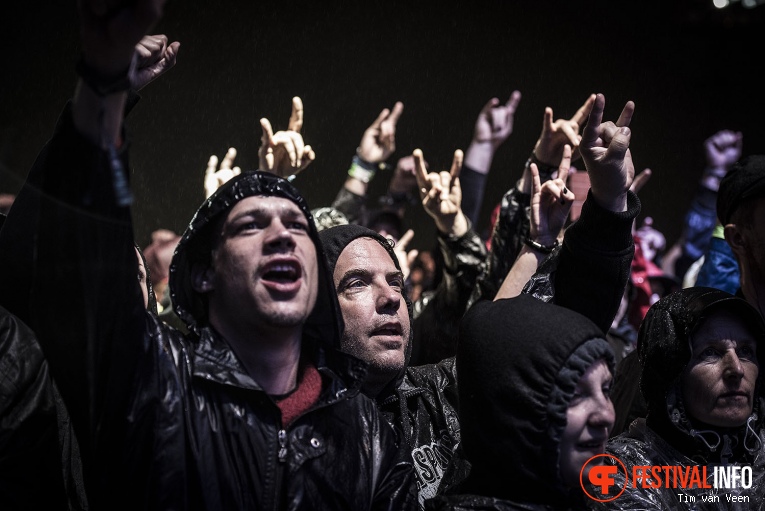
(421, 402)
(256, 408)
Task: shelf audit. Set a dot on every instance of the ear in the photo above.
(202, 278)
(736, 240)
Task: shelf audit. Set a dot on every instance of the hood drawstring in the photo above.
(752, 433)
(699, 434)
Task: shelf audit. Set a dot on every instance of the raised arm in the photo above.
(88, 308)
(512, 225)
(492, 127)
(550, 205)
(284, 153)
(597, 249)
(377, 144)
(437, 314)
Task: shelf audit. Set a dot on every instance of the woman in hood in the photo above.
(534, 406)
(700, 350)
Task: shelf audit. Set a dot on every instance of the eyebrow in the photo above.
(257, 212)
(364, 273)
(354, 272)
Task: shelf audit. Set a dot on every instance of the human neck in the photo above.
(271, 357)
(754, 293)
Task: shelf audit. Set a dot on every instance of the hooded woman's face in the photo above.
(589, 419)
(718, 384)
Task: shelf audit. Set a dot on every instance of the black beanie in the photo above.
(518, 363)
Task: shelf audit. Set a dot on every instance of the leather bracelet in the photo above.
(535, 245)
(101, 84)
(545, 170)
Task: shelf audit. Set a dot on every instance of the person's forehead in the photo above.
(366, 253)
(723, 324)
(265, 205)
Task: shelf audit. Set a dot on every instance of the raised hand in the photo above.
(441, 194)
(605, 150)
(153, 57)
(723, 148)
(284, 153)
(405, 258)
(549, 147)
(379, 140)
(493, 126)
(215, 176)
(495, 122)
(550, 202)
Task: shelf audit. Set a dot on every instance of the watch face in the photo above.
(579, 184)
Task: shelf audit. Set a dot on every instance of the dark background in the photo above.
(691, 70)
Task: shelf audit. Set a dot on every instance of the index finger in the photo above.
(296, 118)
(590, 132)
(419, 169)
(565, 163)
(536, 183)
(456, 164)
(404, 240)
(212, 165)
(584, 110)
(228, 160)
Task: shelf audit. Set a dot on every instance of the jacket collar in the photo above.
(212, 359)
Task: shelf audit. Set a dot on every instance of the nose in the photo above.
(279, 237)
(388, 298)
(603, 415)
(732, 369)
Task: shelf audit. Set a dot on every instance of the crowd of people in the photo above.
(281, 355)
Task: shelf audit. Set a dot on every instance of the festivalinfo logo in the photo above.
(604, 478)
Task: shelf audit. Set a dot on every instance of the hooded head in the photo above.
(519, 362)
(196, 246)
(376, 310)
(665, 348)
(145, 276)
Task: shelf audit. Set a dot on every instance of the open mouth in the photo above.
(282, 272)
(282, 276)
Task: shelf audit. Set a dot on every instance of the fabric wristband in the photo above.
(362, 170)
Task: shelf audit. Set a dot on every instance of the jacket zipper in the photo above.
(282, 446)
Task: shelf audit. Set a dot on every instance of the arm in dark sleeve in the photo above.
(595, 260)
(507, 237)
(436, 319)
(473, 184)
(351, 205)
(88, 308)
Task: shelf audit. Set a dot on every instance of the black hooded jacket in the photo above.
(516, 382)
(173, 421)
(419, 402)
